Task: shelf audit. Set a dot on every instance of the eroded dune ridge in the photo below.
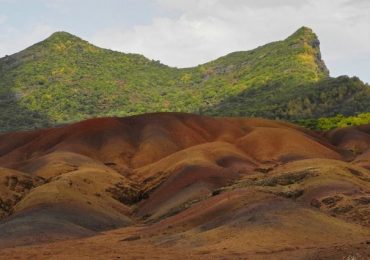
(182, 185)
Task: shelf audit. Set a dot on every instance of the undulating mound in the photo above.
(201, 186)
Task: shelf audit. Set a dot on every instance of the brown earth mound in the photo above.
(185, 186)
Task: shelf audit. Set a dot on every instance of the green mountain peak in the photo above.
(304, 31)
(306, 39)
(58, 46)
(305, 34)
(62, 36)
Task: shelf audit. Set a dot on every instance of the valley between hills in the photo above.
(177, 185)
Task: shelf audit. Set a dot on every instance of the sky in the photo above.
(186, 33)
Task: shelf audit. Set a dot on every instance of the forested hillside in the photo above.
(64, 79)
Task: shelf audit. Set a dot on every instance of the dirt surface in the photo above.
(174, 185)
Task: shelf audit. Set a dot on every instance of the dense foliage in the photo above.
(339, 121)
(324, 98)
(64, 79)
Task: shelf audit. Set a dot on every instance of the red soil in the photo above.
(188, 181)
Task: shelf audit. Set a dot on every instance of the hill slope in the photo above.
(64, 79)
(176, 185)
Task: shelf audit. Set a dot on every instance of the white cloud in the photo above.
(196, 36)
(194, 5)
(205, 29)
(3, 18)
(21, 39)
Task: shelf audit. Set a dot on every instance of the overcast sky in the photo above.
(186, 33)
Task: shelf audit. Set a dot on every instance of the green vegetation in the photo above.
(339, 121)
(279, 100)
(64, 79)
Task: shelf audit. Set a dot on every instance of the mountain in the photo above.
(178, 186)
(64, 79)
